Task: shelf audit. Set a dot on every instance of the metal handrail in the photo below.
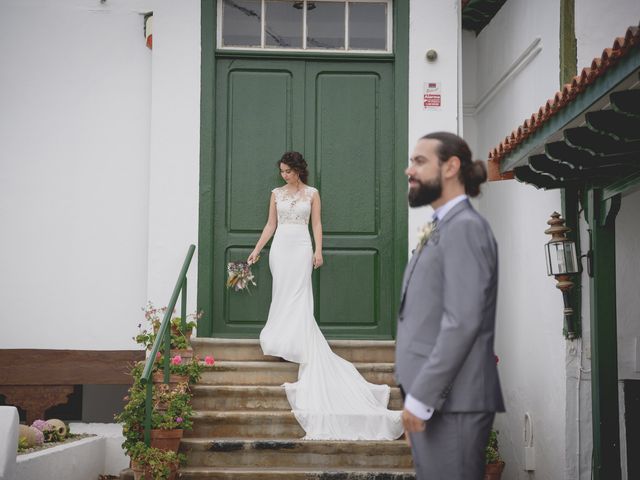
(164, 335)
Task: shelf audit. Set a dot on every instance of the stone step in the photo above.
(277, 373)
(240, 424)
(233, 349)
(245, 424)
(247, 473)
(223, 398)
(304, 454)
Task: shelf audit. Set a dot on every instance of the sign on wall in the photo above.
(432, 96)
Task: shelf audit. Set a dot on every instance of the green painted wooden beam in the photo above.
(630, 183)
(207, 145)
(568, 49)
(401, 91)
(570, 198)
(604, 350)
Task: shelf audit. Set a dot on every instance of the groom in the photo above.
(445, 362)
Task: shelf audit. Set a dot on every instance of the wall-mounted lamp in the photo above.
(562, 262)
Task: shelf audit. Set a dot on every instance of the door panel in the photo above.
(350, 145)
(346, 134)
(340, 116)
(347, 290)
(259, 110)
(259, 115)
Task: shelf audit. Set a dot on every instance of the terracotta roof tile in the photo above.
(569, 91)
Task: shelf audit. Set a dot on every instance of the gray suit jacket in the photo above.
(444, 345)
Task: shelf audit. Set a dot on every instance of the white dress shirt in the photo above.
(415, 406)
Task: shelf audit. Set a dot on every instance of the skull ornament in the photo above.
(59, 426)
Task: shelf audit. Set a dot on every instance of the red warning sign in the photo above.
(432, 96)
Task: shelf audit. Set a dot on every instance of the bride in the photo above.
(330, 400)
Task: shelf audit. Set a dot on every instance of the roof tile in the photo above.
(569, 91)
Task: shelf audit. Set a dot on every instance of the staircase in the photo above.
(244, 429)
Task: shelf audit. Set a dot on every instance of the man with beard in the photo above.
(445, 363)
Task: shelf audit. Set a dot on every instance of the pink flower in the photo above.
(177, 360)
(41, 425)
(178, 419)
(208, 360)
(158, 356)
(39, 436)
(497, 359)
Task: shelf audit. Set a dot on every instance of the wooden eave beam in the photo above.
(476, 14)
(620, 126)
(598, 143)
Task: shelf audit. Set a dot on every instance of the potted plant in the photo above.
(151, 463)
(171, 413)
(493, 462)
(190, 323)
(189, 370)
(179, 336)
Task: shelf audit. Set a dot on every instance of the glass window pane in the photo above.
(325, 25)
(367, 26)
(283, 24)
(241, 23)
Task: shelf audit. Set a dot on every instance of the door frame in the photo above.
(208, 25)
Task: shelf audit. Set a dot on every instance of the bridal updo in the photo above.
(297, 163)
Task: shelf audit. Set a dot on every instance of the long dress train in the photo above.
(330, 400)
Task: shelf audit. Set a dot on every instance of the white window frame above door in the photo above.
(345, 51)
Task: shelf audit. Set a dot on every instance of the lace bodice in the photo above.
(294, 208)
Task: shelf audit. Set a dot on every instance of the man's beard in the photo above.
(426, 193)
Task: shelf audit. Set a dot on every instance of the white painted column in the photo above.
(433, 25)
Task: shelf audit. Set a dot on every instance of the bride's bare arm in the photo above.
(267, 231)
(316, 225)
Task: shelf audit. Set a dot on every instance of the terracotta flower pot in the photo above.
(140, 473)
(174, 380)
(186, 354)
(176, 331)
(166, 439)
(493, 471)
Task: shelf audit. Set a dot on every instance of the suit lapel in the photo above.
(463, 205)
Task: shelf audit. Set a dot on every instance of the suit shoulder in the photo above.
(470, 223)
(469, 218)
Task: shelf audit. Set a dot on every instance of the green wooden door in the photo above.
(340, 115)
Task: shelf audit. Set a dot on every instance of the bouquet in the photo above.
(240, 276)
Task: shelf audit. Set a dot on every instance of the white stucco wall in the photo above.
(510, 69)
(529, 337)
(175, 147)
(74, 169)
(627, 281)
(598, 23)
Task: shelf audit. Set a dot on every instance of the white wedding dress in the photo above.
(330, 400)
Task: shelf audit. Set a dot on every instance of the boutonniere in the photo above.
(424, 233)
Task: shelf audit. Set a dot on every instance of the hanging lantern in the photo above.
(562, 262)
